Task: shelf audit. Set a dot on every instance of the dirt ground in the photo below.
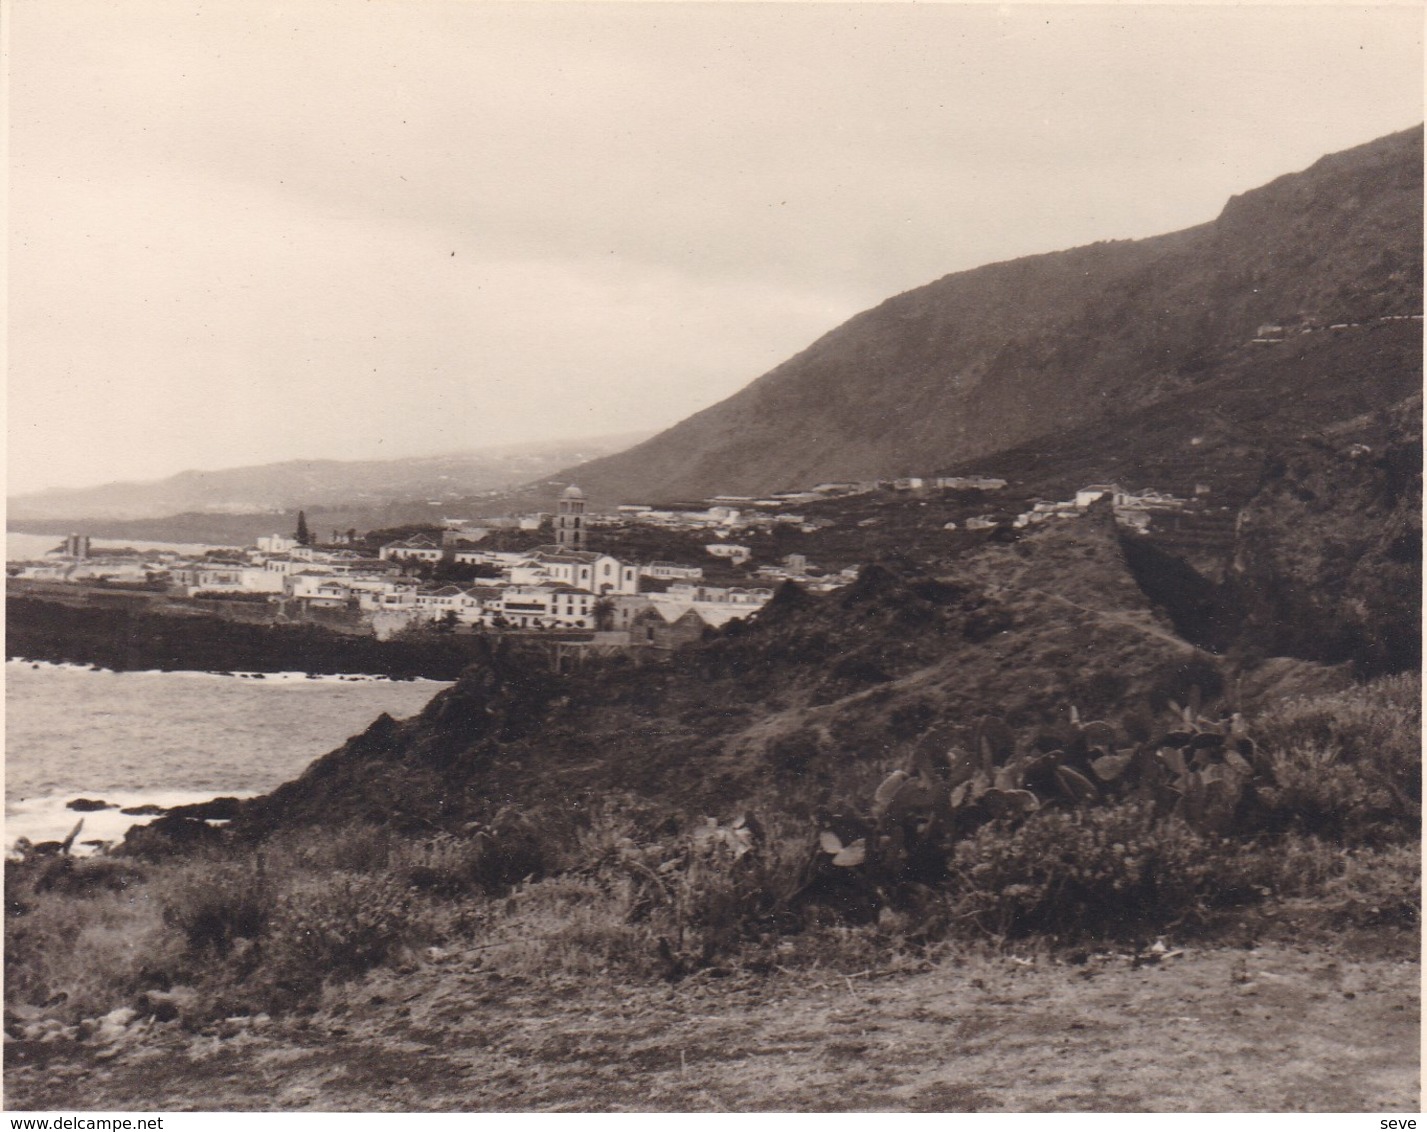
(1275, 1027)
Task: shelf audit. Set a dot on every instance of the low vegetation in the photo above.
(984, 838)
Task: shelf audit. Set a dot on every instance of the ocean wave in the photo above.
(276, 677)
(48, 818)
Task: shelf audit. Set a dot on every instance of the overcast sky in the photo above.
(244, 232)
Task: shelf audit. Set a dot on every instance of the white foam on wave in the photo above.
(51, 665)
(49, 818)
(257, 677)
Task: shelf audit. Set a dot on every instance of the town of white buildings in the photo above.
(560, 586)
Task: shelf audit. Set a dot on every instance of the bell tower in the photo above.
(570, 521)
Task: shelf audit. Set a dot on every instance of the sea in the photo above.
(23, 547)
(169, 738)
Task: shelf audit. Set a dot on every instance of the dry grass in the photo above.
(91, 954)
(1272, 1028)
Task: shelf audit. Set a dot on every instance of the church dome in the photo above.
(572, 492)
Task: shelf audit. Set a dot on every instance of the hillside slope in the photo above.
(807, 703)
(988, 359)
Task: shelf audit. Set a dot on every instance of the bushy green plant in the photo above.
(75, 876)
(444, 866)
(87, 953)
(704, 890)
(337, 927)
(1110, 871)
(215, 905)
(1379, 887)
(1379, 721)
(572, 925)
(511, 848)
(1347, 765)
(1314, 789)
(355, 847)
(1293, 864)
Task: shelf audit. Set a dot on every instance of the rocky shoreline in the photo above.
(45, 800)
(83, 826)
(136, 640)
(280, 677)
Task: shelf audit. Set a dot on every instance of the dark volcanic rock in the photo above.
(88, 805)
(219, 809)
(168, 836)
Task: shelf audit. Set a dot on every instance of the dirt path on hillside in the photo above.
(1277, 1028)
(1128, 620)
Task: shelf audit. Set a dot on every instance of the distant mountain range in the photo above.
(353, 485)
(1016, 353)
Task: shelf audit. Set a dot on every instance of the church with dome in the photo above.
(569, 562)
(570, 527)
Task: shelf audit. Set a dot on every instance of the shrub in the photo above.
(1379, 721)
(215, 905)
(702, 892)
(85, 876)
(711, 890)
(337, 927)
(355, 847)
(1382, 887)
(444, 866)
(87, 955)
(490, 859)
(1111, 871)
(512, 848)
(573, 925)
(1315, 790)
(1295, 865)
(1347, 765)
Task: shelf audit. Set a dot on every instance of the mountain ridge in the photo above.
(983, 360)
(291, 484)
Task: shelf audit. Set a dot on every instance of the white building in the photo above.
(503, 559)
(1097, 491)
(382, 593)
(259, 579)
(683, 594)
(672, 571)
(417, 548)
(213, 577)
(547, 606)
(736, 554)
(324, 593)
(310, 585)
(970, 483)
(586, 570)
(716, 605)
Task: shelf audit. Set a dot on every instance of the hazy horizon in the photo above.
(333, 232)
(496, 449)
